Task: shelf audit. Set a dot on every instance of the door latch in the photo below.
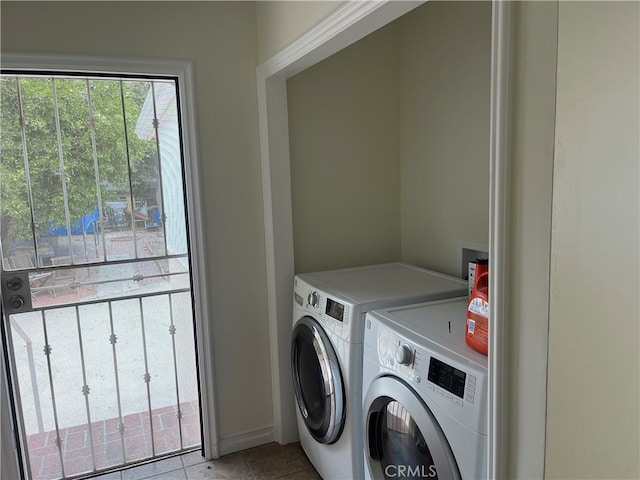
(16, 292)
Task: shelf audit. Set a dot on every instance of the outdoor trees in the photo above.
(77, 136)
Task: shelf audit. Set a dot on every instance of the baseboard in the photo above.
(235, 442)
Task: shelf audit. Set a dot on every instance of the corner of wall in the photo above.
(531, 176)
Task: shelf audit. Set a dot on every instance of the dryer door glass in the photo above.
(317, 381)
(404, 439)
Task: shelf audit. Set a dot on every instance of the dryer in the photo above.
(425, 394)
(329, 309)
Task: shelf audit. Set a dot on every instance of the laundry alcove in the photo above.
(365, 197)
(389, 143)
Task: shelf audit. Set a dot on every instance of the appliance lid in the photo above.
(386, 283)
(442, 323)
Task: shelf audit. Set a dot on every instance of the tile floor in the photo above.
(272, 461)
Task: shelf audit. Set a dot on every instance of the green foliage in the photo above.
(63, 153)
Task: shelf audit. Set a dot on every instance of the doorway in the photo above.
(98, 287)
(342, 28)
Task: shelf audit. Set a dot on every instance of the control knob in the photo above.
(313, 299)
(404, 354)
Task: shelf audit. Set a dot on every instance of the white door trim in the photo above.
(499, 293)
(184, 72)
(343, 27)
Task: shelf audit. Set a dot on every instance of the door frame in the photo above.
(347, 24)
(183, 71)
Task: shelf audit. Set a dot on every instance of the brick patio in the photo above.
(107, 442)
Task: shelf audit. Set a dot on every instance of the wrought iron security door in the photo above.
(96, 281)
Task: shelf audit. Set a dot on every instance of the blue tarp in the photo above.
(86, 223)
(155, 221)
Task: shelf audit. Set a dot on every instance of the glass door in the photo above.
(403, 439)
(317, 381)
(96, 271)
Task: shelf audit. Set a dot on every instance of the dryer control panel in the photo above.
(443, 378)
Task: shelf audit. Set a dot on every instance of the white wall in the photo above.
(344, 115)
(385, 130)
(445, 60)
(220, 38)
(534, 84)
(280, 23)
(593, 400)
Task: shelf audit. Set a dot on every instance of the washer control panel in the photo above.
(333, 313)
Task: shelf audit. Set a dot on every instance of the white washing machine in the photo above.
(329, 309)
(425, 394)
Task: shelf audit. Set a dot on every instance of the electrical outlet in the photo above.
(470, 252)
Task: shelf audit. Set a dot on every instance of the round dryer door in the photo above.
(403, 439)
(317, 381)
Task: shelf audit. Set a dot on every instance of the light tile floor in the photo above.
(267, 462)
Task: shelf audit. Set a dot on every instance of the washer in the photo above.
(329, 309)
(425, 401)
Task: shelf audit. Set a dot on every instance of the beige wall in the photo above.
(220, 39)
(389, 143)
(345, 145)
(592, 414)
(445, 60)
(534, 83)
(593, 418)
(280, 23)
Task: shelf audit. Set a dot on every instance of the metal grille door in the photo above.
(96, 278)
